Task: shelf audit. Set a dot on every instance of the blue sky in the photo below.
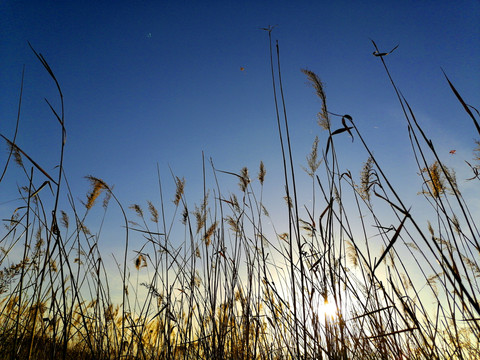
(161, 81)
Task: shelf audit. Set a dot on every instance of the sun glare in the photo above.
(329, 309)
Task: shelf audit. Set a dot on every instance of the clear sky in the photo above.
(161, 81)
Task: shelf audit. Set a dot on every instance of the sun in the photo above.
(329, 309)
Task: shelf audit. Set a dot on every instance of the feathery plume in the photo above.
(209, 233)
(323, 118)
(137, 209)
(140, 262)
(436, 183)
(312, 159)
(180, 189)
(153, 212)
(64, 219)
(261, 174)
(98, 186)
(365, 181)
(244, 179)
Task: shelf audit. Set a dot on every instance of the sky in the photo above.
(160, 82)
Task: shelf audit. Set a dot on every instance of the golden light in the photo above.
(328, 309)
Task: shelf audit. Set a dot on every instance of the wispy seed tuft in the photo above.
(137, 209)
(98, 186)
(323, 118)
(209, 233)
(153, 212)
(244, 179)
(312, 159)
(180, 189)
(261, 174)
(64, 219)
(365, 179)
(140, 262)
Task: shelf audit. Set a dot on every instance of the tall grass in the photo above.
(339, 282)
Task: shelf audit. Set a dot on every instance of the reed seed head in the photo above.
(98, 186)
(179, 190)
(153, 212)
(244, 179)
(323, 118)
(262, 172)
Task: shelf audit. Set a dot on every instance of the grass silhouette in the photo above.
(230, 290)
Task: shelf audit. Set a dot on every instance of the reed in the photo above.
(356, 274)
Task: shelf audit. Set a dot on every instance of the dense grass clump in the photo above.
(353, 275)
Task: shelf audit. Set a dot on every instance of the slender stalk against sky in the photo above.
(162, 82)
(136, 90)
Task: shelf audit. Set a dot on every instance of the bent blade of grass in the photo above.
(392, 242)
(465, 106)
(15, 146)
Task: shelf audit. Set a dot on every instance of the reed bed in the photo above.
(353, 275)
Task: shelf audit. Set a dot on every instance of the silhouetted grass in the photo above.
(234, 289)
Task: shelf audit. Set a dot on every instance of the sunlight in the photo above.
(328, 309)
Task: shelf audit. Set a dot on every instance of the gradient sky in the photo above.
(149, 82)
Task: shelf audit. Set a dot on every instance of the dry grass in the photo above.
(233, 289)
